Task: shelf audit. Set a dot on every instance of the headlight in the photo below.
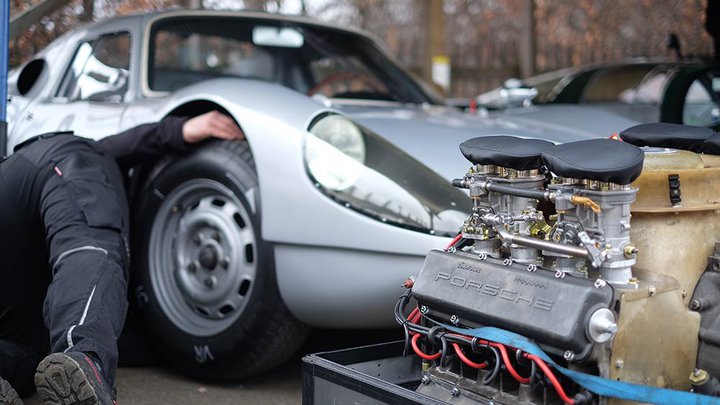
(336, 153)
(341, 133)
(358, 169)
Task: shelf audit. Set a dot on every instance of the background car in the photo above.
(316, 219)
(646, 90)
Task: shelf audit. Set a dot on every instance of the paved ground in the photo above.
(159, 385)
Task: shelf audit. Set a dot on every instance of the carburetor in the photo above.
(591, 204)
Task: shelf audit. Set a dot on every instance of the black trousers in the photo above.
(63, 256)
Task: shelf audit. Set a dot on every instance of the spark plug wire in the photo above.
(420, 353)
(508, 364)
(551, 376)
(455, 240)
(466, 360)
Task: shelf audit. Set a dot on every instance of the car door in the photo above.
(90, 97)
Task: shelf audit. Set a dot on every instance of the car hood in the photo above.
(432, 134)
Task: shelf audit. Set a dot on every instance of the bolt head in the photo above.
(455, 392)
(652, 290)
(455, 319)
(425, 380)
(568, 355)
(619, 364)
(695, 305)
(424, 309)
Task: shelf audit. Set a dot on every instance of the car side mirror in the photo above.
(514, 93)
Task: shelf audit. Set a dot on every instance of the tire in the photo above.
(205, 280)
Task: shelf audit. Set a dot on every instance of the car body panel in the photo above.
(432, 134)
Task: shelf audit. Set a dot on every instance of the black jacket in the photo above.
(145, 143)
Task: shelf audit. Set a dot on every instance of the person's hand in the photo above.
(213, 124)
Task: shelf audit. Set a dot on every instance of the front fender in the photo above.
(275, 120)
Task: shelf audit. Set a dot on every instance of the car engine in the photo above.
(588, 272)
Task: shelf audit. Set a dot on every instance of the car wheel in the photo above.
(205, 280)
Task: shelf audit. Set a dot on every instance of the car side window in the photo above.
(182, 58)
(607, 86)
(99, 70)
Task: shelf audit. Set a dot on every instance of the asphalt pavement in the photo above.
(158, 384)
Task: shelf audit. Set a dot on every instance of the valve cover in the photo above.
(553, 311)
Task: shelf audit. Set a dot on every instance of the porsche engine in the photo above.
(585, 270)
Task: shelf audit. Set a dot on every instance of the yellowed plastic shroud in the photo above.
(657, 337)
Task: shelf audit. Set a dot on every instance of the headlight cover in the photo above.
(360, 170)
(342, 134)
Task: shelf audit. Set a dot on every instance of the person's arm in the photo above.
(147, 143)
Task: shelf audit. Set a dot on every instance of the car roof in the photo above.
(148, 17)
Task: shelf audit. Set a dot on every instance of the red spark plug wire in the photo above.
(454, 241)
(508, 365)
(419, 352)
(551, 376)
(467, 360)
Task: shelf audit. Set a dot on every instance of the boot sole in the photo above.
(60, 381)
(8, 396)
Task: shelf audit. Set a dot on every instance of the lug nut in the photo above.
(209, 282)
(192, 266)
(225, 263)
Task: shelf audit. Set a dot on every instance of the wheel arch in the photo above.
(192, 108)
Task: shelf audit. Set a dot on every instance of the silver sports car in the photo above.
(316, 219)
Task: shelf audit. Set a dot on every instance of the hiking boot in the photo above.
(72, 378)
(8, 396)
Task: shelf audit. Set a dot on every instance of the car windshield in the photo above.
(307, 58)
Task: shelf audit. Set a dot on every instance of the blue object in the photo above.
(4, 30)
(595, 384)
